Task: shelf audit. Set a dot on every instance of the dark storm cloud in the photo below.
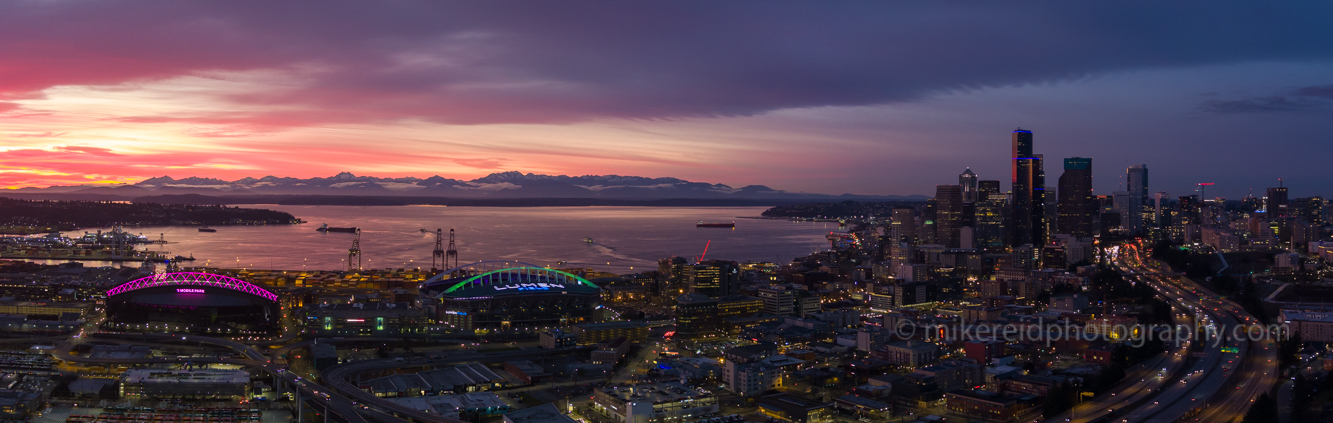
(1275, 103)
(1319, 91)
(569, 61)
(1300, 99)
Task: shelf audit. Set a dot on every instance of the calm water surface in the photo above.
(625, 238)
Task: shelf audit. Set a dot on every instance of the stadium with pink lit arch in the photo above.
(192, 302)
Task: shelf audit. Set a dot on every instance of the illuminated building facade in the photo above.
(509, 297)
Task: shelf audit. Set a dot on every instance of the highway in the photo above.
(1139, 384)
(1177, 388)
(1221, 386)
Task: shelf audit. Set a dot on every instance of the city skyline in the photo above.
(872, 100)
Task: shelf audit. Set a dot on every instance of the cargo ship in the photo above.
(325, 228)
(715, 225)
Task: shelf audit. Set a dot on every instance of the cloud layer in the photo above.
(205, 73)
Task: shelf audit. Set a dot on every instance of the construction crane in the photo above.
(1202, 186)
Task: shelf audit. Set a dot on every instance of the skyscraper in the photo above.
(1136, 184)
(1076, 205)
(968, 181)
(992, 211)
(1277, 202)
(948, 214)
(715, 278)
(903, 226)
(1028, 215)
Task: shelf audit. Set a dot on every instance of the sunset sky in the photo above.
(827, 97)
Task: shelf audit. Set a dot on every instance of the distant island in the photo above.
(836, 210)
(39, 216)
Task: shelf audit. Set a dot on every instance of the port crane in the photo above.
(452, 251)
(441, 255)
(437, 256)
(354, 252)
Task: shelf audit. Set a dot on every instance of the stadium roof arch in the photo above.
(498, 277)
(193, 279)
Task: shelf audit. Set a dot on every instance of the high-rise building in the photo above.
(1077, 205)
(1313, 210)
(991, 211)
(1022, 147)
(1028, 205)
(1189, 209)
(779, 300)
(948, 214)
(903, 226)
(715, 278)
(696, 316)
(968, 181)
(1136, 184)
(1276, 206)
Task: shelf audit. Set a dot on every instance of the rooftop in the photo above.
(545, 413)
(656, 393)
(187, 376)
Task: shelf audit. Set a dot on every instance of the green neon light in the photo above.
(543, 269)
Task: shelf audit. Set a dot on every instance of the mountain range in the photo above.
(503, 185)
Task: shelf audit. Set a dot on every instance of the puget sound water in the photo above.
(624, 239)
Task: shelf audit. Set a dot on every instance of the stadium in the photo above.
(491, 297)
(192, 302)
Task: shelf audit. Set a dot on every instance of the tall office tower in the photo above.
(1312, 210)
(987, 188)
(1076, 206)
(1249, 204)
(1189, 209)
(948, 214)
(1157, 209)
(1136, 183)
(991, 213)
(968, 181)
(1277, 202)
(1028, 205)
(926, 232)
(1122, 208)
(1022, 147)
(715, 278)
(903, 226)
(696, 316)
